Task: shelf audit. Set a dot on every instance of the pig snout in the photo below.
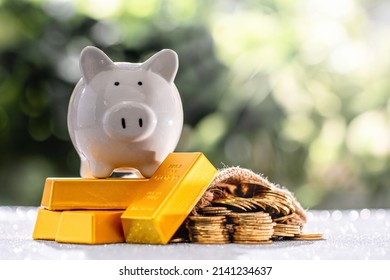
(129, 121)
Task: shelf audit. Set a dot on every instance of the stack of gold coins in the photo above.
(215, 211)
(208, 229)
(285, 230)
(252, 228)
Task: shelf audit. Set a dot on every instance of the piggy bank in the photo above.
(124, 115)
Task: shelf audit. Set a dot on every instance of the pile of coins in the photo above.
(219, 225)
(208, 229)
(252, 228)
(244, 207)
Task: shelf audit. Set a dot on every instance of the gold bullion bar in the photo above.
(91, 194)
(159, 208)
(84, 227)
(119, 193)
(46, 225)
(90, 227)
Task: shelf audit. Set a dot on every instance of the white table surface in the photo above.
(349, 234)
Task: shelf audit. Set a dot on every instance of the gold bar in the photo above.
(46, 224)
(158, 212)
(77, 193)
(90, 227)
(83, 227)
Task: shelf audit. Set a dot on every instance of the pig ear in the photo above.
(93, 61)
(164, 63)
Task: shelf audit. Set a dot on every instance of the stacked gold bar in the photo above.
(94, 211)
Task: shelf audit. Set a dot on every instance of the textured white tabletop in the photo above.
(349, 234)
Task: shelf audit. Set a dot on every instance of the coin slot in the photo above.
(123, 123)
(140, 122)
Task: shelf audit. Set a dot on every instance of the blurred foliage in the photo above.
(296, 90)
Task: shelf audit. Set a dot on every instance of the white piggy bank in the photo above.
(124, 115)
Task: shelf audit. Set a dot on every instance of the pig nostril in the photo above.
(123, 123)
(140, 122)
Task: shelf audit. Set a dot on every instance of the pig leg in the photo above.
(100, 170)
(85, 171)
(148, 169)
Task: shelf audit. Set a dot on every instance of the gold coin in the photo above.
(203, 230)
(203, 218)
(213, 237)
(260, 213)
(177, 240)
(251, 220)
(220, 213)
(284, 218)
(308, 236)
(247, 216)
(287, 226)
(209, 242)
(253, 233)
(251, 237)
(219, 240)
(254, 227)
(287, 231)
(253, 242)
(213, 208)
(209, 235)
(269, 233)
(206, 228)
(216, 233)
(290, 230)
(283, 234)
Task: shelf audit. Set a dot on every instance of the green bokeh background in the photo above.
(296, 90)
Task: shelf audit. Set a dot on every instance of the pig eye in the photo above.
(116, 83)
(140, 83)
